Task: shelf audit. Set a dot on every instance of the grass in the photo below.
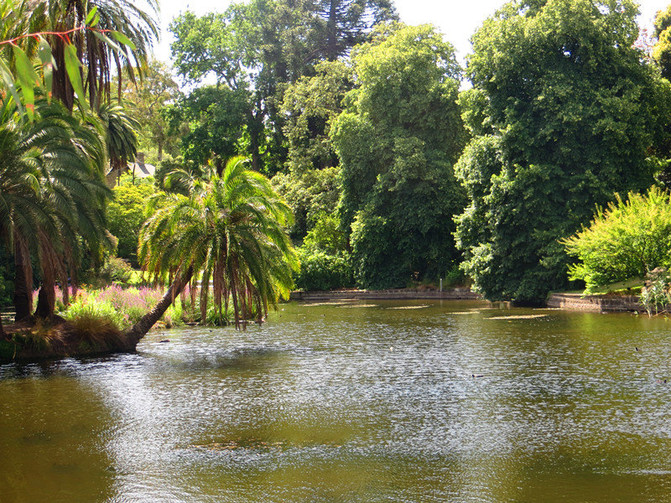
(95, 332)
(628, 287)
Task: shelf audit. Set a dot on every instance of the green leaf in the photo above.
(105, 39)
(123, 39)
(27, 78)
(10, 84)
(72, 65)
(48, 65)
(92, 18)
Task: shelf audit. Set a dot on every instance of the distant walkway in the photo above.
(393, 294)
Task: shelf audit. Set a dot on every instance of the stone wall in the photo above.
(596, 303)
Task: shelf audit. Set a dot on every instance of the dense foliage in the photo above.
(325, 261)
(563, 112)
(628, 239)
(126, 214)
(54, 153)
(254, 51)
(397, 143)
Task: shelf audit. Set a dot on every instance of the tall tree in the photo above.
(661, 51)
(348, 23)
(397, 144)
(310, 106)
(562, 113)
(216, 120)
(54, 193)
(147, 101)
(263, 46)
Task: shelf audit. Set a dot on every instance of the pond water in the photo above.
(360, 402)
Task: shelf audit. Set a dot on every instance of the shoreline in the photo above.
(559, 300)
(390, 294)
(70, 343)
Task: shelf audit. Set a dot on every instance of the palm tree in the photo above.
(101, 59)
(71, 165)
(230, 232)
(52, 198)
(121, 136)
(20, 210)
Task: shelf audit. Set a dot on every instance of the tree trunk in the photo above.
(139, 330)
(23, 281)
(332, 32)
(254, 128)
(62, 88)
(46, 300)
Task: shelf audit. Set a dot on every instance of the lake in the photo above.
(369, 401)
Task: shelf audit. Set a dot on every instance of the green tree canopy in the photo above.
(563, 113)
(215, 117)
(397, 143)
(310, 105)
(261, 47)
(661, 51)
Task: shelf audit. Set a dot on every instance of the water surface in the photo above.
(355, 402)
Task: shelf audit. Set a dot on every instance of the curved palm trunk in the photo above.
(138, 331)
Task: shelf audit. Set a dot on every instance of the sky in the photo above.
(456, 19)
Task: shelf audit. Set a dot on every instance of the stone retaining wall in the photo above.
(595, 303)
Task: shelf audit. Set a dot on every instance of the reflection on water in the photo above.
(398, 402)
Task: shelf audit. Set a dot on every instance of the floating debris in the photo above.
(408, 307)
(518, 317)
(360, 305)
(318, 304)
(256, 444)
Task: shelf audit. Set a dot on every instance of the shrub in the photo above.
(656, 294)
(123, 306)
(626, 240)
(89, 308)
(322, 271)
(126, 214)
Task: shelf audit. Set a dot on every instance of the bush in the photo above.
(116, 270)
(322, 271)
(126, 214)
(627, 240)
(656, 294)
